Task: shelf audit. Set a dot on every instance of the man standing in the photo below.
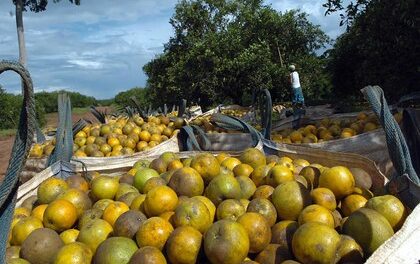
(296, 89)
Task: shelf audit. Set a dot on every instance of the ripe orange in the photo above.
(154, 232)
(324, 197)
(242, 170)
(226, 242)
(78, 198)
(69, 236)
(22, 211)
(74, 253)
(50, 189)
(339, 180)
(38, 211)
(23, 228)
(104, 187)
(137, 203)
(265, 208)
(159, 200)
(60, 215)
(351, 203)
(94, 233)
(315, 243)
(258, 229)
(316, 213)
(77, 182)
(192, 212)
(230, 163)
(183, 245)
(144, 136)
(148, 255)
(263, 191)
(113, 211)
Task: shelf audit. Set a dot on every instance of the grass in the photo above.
(7, 132)
(80, 110)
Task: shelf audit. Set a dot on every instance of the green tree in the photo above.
(123, 99)
(223, 50)
(380, 47)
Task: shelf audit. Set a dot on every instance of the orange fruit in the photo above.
(230, 209)
(247, 187)
(145, 136)
(275, 253)
(278, 175)
(338, 179)
(349, 251)
(316, 213)
(259, 174)
(152, 183)
(324, 197)
(174, 165)
(23, 228)
(253, 157)
(102, 204)
(115, 250)
(74, 253)
(290, 198)
(60, 215)
(78, 198)
(113, 211)
(94, 233)
(282, 233)
(222, 156)
(230, 163)
(265, 208)
(22, 211)
(77, 182)
(159, 200)
(38, 211)
(369, 228)
(104, 187)
(141, 177)
(69, 236)
(263, 191)
(206, 165)
(183, 245)
(187, 182)
(192, 212)
(310, 238)
(242, 170)
(137, 203)
(154, 232)
(50, 189)
(210, 206)
(226, 242)
(148, 255)
(352, 203)
(141, 145)
(258, 229)
(391, 208)
(113, 142)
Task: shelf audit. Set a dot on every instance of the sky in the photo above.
(100, 47)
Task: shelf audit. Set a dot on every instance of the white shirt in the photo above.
(294, 78)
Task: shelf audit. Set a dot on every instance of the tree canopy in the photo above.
(223, 50)
(380, 47)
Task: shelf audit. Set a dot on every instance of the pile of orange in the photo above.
(121, 136)
(206, 209)
(330, 129)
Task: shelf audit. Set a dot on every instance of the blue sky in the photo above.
(100, 47)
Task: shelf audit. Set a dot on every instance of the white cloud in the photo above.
(86, 64)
